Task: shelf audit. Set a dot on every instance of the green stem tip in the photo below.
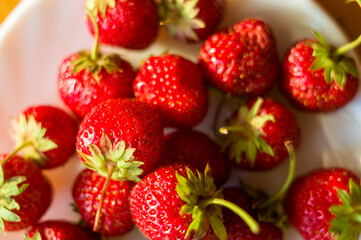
(347, 47)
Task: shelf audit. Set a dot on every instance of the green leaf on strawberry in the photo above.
(36, 236)
(180, 17)
(115, 155)
(29, 138)
(244, 134)
(347, 223)
(333, 61)
(8, 189)
(99, 6)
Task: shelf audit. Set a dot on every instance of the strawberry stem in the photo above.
(345, 48)
(94, 51)
(18, 149)
(103, 192)
(288, 181)
(249, 220)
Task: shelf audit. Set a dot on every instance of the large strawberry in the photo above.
(116, 218)
(130, 24)
(175, 86)
(241, 60)
(120, 139)
(190, 20)
(257, 132)
(194, 148)
(25, 194)
(88, 78)
(59, 230)
(46, 135)
(325, 204)
(318, 77)
(172, 202)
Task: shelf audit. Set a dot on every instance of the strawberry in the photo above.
(88, 78)
(116, 138)
(175, 86)
(191, 20)
(116, 218)
(25, 194)
(59, 230)
(256, 134)
(194, 148)
(46, 135)
(324, 204)
(130, 24)
(173, 203)
(318, 77)
(241, 60)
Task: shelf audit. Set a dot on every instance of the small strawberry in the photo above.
(116, 138)
(173, 203)
(46, 135)
(175, 86)
(256, 134)
(191, 20)
(241, 60)
(325, 204)
(59, 230)
(116, 218)
(194, 148)
(25, 194)
(318, 77)
(88, 78)
(130, 24)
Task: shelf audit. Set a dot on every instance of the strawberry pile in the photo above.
(135, 131)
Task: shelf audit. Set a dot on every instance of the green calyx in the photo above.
(347, 222)
(336, 66)
(113, 155)
(8, 189)
(244, 135)
(204, 202)
(99, 6)
(180, 18)
(29, 139)
(37, 236)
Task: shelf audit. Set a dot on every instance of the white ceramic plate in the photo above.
(38, 34)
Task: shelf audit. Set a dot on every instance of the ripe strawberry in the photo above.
(116, 218)
(317, 77)
(46, 135)
(257, 132)
(175, 86)
(116, 138)
(324, 204)
(173, 203)
(88, 78)
(197, 149)
(191, 20)
(59, 230)
(130, 24)
(25, 194)
(241, 60)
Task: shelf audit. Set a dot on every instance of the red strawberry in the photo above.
(257, 133)
(116, 218)
(325, 203)
(88, 78)
(129, 24)
(317, 77)
(116, 138)
(59, 230)
(197, 149)
(173, 203)
(241, 60)
(191, 20)
(46, 135)
(25, 193)
(175, 86)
